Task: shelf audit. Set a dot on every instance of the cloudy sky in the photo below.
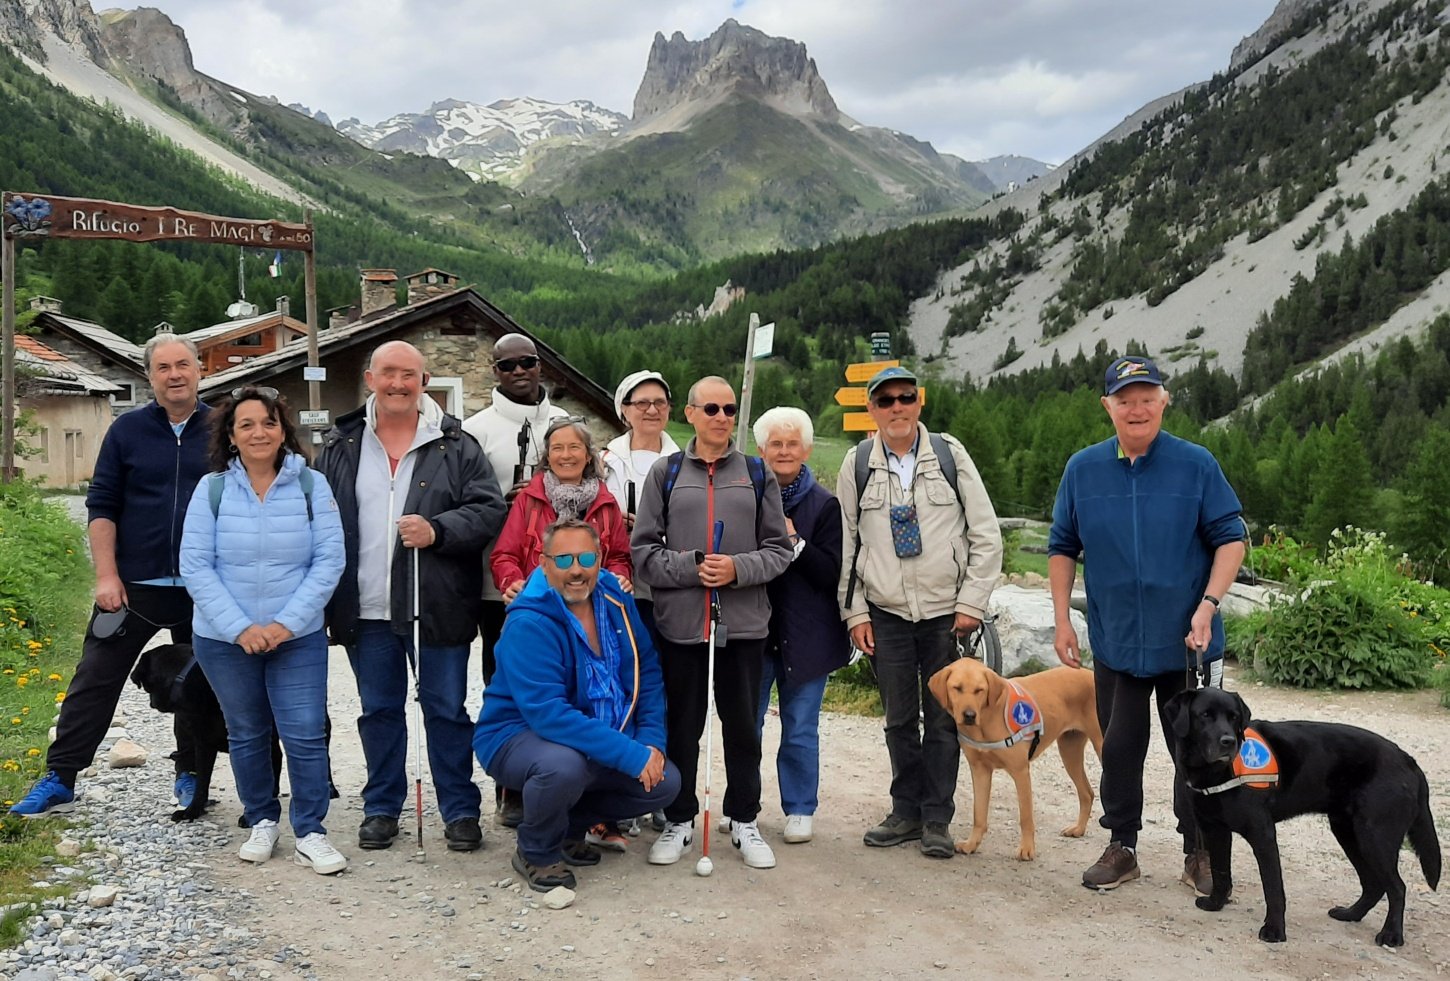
(977, 78)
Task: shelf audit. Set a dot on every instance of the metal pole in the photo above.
(7, 361)
(309, 266)
(743, 441)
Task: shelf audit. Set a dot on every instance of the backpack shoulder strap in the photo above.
(862, 462)
(756, 465)
(214, 488)
(307, 479)
(948, 464)
(672, 474)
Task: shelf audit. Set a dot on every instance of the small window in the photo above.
(448, 393)
(251, 340)
(42, 445)
(126, 396)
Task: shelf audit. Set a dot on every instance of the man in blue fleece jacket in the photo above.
(1162, 537)
(575, 714)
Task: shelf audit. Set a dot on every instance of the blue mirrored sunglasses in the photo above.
(565, 560)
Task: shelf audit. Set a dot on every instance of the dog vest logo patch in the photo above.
(1023, 717)
(1255, 762)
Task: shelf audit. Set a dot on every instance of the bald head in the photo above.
(516, 369)
(513, 346)
(397, 352)
(396, 376)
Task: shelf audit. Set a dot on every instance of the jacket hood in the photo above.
(292, 465)
(539, 597)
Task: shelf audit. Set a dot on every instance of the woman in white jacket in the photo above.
(261, 552)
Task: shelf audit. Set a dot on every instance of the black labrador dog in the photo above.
(177, 685)
(1374, 794)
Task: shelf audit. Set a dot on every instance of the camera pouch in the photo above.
(905, 531)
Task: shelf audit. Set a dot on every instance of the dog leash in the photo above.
(1194, 673)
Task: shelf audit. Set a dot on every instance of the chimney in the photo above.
(341, 316)
(45, 304)
(284, 306)
(379, 290)
(430, 283)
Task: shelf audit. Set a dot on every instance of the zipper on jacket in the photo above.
(1138, 569)
(175, 503)
(709, 533)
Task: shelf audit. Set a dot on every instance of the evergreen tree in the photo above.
(1343, 486)
(1424, 513)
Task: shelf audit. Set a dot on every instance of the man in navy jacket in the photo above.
(148, 466)
(1162, 537)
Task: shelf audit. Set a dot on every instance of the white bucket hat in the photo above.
(633, 381)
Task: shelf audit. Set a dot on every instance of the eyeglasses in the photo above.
(644, 405)
(887, 401)
(251, 391)
(528, 362)
(715, 408)
(566, 560)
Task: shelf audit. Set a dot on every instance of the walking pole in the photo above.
(417, 704)
(704, 866)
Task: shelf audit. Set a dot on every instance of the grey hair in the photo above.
(592, 467)
(690, 396)
(168, 338)
(569, 524)
(786, 417)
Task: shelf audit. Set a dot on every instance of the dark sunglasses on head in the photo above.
(715, 408)
(528, 362)
(659, 405)
(251, 391)
(887, 401)
(565, 560)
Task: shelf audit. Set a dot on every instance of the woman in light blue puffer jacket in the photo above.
(261, 553)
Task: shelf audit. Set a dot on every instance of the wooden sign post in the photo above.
(42, 216)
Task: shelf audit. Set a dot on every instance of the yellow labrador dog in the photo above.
(1006, 723)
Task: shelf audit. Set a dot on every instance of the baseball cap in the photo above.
(1130, 371)
(896, 374)
(633, 381)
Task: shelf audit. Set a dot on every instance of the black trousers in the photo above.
(101, 675)
(1122, 701)
(490, 625)
(737, 695)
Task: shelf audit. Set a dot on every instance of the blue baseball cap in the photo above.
(896, 374)
(1130, 371)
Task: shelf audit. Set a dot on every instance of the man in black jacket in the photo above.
(408, 478)
(146, 471)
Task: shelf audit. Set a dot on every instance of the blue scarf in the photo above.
(792, 493)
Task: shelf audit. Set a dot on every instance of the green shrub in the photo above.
(1281, 558)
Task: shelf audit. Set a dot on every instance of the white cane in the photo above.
(417, 703)
(705, 866)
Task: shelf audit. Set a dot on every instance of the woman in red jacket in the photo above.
(569, 484)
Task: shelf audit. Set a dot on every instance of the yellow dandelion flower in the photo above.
(54, 677)
(59, 697)
(22, 681)
(25, 710)
(32, 752)
(34, 645)
(9, 670)
(15, 721)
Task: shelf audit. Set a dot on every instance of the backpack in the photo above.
(754, 464)
(944, 458)
(214, 488)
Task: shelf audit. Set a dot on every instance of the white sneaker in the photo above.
(745, 835)
(258, 848)
(673, 842)
(317, 853)
(797, 828)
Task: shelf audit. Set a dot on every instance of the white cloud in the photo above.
(1040, 77)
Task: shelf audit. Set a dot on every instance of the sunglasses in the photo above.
(565, 560)
(887, 401)
(528, 362)
(644, 405)
(252, 391)
(715, 408)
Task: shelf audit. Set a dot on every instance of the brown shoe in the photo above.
(1197, 872)
(542, 878)
(1117, 866)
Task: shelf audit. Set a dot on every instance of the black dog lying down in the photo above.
(177, 685)
(1373, 792)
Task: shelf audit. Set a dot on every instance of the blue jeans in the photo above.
(797, 764)
(379, 659)
(287, 687)
(565, 793)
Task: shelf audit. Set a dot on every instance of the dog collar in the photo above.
(1023, 719)
(179, 682)
(1254, 766)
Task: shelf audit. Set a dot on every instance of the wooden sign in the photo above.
(50, 216)
(864, 371)
(852, 398)
(858, 422)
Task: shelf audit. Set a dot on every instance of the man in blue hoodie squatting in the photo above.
(1161, 536)
(575, 714)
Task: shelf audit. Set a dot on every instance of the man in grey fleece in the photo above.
(673, 553)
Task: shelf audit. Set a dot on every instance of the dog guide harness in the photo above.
(1254, 766)
(1023, 719)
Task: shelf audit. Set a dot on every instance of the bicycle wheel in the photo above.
(989, 645)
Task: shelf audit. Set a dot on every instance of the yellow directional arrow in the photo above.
(858, 422)
(851, 397)
(864, 371)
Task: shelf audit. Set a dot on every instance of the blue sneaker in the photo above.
(185, 789)
(48, 796)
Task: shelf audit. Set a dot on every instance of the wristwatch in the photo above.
(1209, 598)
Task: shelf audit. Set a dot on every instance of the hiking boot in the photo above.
(315, 852)
(258, 848)
(673, 842)
(185, 790)
(542, 878)
(48, 796)
(798, 828)
(892, 831)
(511, 809)
(936, 840)
(745, 835)
(1117, 866)
(608, 838)
(377, 831)
(581, 853)
(1197, 872)
(464, 835)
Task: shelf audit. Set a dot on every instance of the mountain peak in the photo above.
(736, 58)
